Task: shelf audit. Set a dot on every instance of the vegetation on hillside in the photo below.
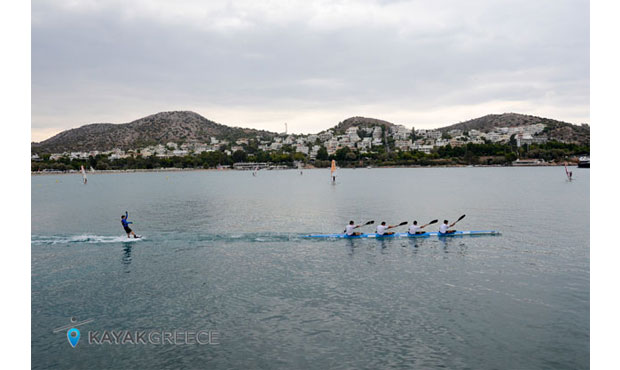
(470, 154)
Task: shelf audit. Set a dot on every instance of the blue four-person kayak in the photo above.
(405, 235)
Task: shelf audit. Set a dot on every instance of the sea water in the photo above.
(222, 252)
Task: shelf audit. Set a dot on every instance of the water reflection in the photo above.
(413, 244)
(350, 247)
(383, 244)
(126, 258)
(448, 244)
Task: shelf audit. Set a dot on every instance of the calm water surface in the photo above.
(222, 251)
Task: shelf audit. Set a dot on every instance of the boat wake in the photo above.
(88, 239)
(261, 237)
(166, 237)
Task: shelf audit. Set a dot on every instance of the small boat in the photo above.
(405, 235)
(528, 162)
(584, 162)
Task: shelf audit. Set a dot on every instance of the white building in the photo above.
(117, 156)
(78, 155)
(423, 148)
(201, 148)
(454, 142)
(400, 132)
(364, 145)
(351, 130)
(147, 152)
(402, 144)
(326, 135)
(314, 151)
(377, 132)
(353, 137)
(302, 149)
(180, 152)
(331, 145)
(494, 136)
(433, 134)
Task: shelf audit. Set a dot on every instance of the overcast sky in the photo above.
(308, 63)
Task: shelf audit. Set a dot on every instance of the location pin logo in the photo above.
(74, 336)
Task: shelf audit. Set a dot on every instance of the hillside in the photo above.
(190, 127)
(359, 122)
(160, 128)
(555, 129)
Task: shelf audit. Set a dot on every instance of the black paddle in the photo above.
(460, 218)
(430, 223)
(400, 224)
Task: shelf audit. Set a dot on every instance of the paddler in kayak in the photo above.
(126, 226)
(382, 229)
(350, 227)
(443, 229)
(415, 229)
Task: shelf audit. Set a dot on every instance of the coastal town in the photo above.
(364, 140)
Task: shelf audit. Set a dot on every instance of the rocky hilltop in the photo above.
(360, 122)
(160, 128)
(555, 129)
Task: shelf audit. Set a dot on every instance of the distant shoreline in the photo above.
(41, 173)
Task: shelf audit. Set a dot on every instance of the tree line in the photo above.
(469, 154)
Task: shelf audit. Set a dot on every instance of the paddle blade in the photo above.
(369, 222)
(433, 222)
(460, 218)
(403, 223)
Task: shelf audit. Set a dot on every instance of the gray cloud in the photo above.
(308, 63)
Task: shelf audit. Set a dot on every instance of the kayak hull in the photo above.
(405, 235)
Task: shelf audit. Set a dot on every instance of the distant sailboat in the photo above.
(84, 175)
(92, 170)
(333, 171)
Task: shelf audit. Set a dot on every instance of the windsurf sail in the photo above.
(92, 170)
(333, 170)
(84, 174)
(569, 175)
